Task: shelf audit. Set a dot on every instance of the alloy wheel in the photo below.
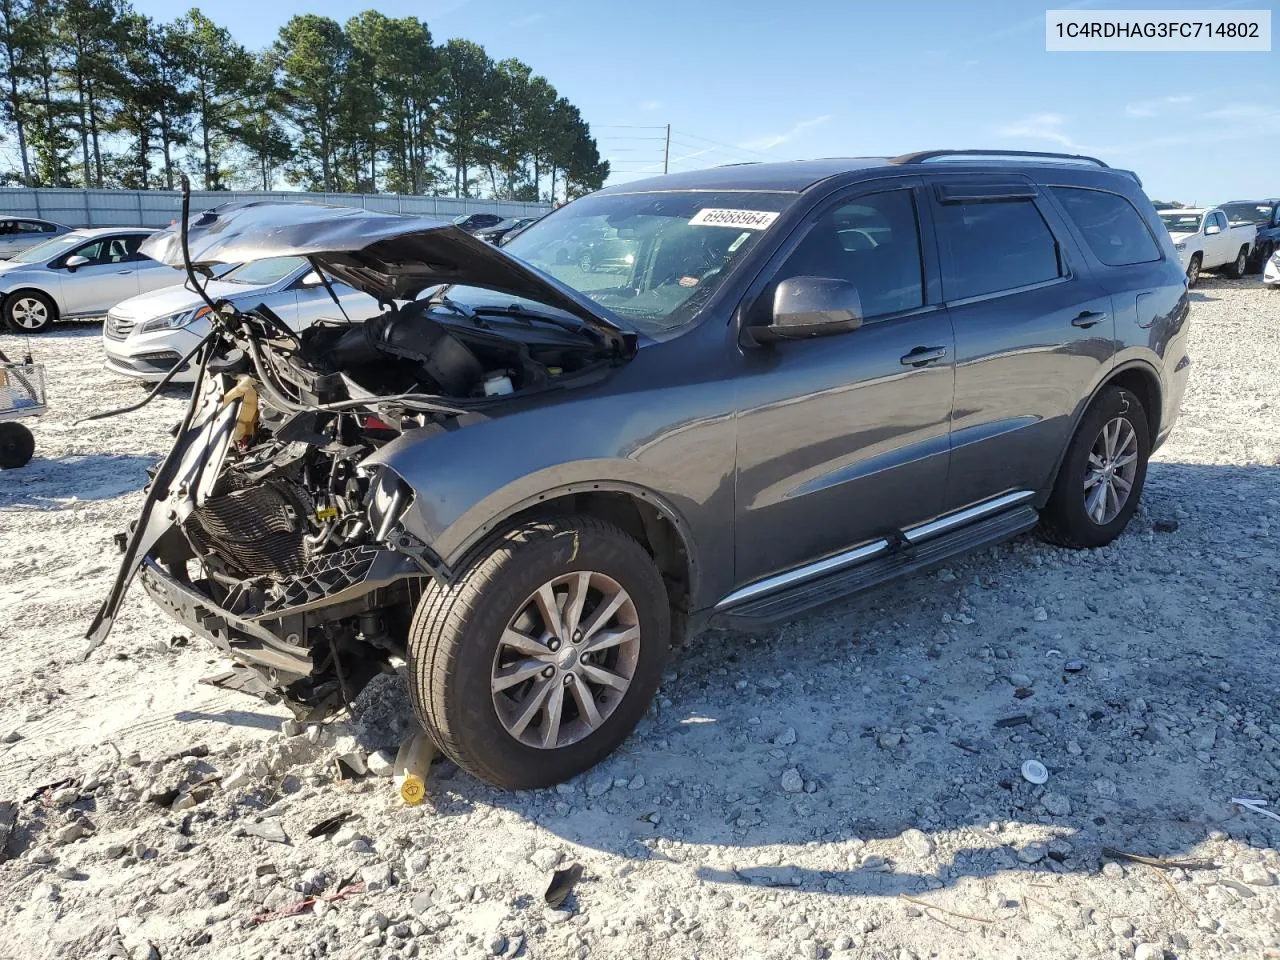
(1112, 467)
(565, 660)
(1193, 272)
(28, 313)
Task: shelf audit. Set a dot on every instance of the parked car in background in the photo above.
(22, 233)
(145, 336)
(78, 274)
(816, 376)
(1205, 240)
(1265, 215)
(1271, 271)
(499, 232)
(475, 222)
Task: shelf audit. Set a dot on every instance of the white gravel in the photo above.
(848, 785)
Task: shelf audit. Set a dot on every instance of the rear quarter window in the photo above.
(1111, 226)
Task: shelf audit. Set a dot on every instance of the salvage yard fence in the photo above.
(159, 208)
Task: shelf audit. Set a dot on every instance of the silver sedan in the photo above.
(79, 274)
(21, 233)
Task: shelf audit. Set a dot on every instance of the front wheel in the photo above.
(29, 311)
(542, 656)
(1101, 477)
(1193, 270)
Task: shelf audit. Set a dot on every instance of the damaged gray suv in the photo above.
(524, 478)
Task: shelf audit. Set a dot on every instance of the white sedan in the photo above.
(79, 274)
(146, 336)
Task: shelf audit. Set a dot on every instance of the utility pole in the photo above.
(666, 151)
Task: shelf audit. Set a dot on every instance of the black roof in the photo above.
(794, 176)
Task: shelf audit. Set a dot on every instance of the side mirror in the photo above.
(75, 261)
(806, 307)
(311, 279)
(1211, 229)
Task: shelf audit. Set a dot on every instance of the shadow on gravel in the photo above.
(232, 718)
(1141, 675)
(58, 483)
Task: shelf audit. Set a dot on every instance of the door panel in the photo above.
(1033, 329)
(97, 287)
(839, 440)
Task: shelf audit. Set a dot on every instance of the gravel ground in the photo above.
(845, 786)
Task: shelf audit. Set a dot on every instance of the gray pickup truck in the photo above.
(523, 478)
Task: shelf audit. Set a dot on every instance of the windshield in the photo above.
(49, 249)
(1248, 212)
(652, 259)
(1180, 222)
(263, 272)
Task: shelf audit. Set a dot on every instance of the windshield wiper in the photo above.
(529, 315)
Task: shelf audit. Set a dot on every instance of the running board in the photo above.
(790, 602)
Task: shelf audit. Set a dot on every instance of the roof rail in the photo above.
(925, 155)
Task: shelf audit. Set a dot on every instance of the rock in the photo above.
(496, 944)
(1073, 666)
(916, 841)
(791, 781)
(70, 833)
(1255, 874)
(421, 903)
(887, 741)
(545, 858)
(11, 736)
(377, 876)
(1148, 951)
(1022, 680)
(267, 830)
(1112, 870)
(599, 786)
(1040, 615)
(1104, 788)
(1056, 804)
(65, 797)
(290, 728)
(1121, 927)
(381, 763)
(786, 738)
(636, 782)
(1033, 853)
(1204, 737)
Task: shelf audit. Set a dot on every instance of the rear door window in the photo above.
(1111, 226)
(993, 246)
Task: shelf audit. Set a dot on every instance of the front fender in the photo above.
(469, 480)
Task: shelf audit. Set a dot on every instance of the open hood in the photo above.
(389, 257)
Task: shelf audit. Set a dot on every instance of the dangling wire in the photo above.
(207, 341)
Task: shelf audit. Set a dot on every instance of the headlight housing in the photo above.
(175, 321)
(1180, 245)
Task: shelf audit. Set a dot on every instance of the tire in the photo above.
(1236, 269)
(1261, 255)
(1193, 269)
(29, 311)
(17, 445)
(458, 647)
(1066, 519)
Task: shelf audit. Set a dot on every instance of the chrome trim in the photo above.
(943, 524)
(807, 572)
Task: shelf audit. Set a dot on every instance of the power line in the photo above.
(720, 143)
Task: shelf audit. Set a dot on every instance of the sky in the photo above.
(741, 80)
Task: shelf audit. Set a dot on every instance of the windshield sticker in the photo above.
(688, 281)
(742, 238)
(746, 219)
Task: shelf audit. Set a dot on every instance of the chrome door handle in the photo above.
(123, 273)
(1088, 318)
(922, 355)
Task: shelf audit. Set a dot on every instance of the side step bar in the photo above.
(790, 602)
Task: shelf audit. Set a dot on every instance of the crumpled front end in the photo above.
(274, 544)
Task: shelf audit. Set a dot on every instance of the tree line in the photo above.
(95, 94)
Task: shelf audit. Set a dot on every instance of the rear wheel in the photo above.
(1193, 270)
(17, 445)
(1236, 269)
(29, 311)
(542, 656)
(1100, 480)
